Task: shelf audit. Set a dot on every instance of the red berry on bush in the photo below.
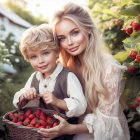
(131, 69)
(135, 106)
(138, 58)
(121, 23)
(138, 99)
(133, 54)
(124, 30)
(129, 31)
(136, 26)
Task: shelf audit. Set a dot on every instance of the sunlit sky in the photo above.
(47, 7)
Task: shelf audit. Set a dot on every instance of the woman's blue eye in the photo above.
(75, 32)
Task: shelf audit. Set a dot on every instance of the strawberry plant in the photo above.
(119, 22)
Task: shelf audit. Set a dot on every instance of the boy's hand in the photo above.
(30, 94)
(49, 98)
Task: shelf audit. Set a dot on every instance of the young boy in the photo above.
(51, 83)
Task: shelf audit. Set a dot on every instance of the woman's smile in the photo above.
(73, 49)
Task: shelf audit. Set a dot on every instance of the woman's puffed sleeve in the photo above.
(76, 102)
(109, 122)
(21, 91)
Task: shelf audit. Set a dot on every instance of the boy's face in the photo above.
(43, 60)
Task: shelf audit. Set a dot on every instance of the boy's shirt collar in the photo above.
(53, 76)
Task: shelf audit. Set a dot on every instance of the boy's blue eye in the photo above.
(33, 57)
(61, 39)
(45, 53)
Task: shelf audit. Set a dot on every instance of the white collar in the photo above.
(55, 73)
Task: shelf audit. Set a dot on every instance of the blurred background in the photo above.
(119, 24)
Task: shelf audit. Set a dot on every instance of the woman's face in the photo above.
(70, 37)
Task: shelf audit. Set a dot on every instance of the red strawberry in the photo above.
(136, 26)
(55, 124)
(37, 113)
(31, 116)
(135, 106)
(15, 120)
(28, 112)
(49, 120)
(34, 121)
(37, 125)
(131, 69)
(26, 121)
(133, 54)
(41, 127)
(138, 58)
(129, 31)
(138, 99)
(20, 122)
(11, 116)
(21, 117)
(42, 116)
(48, 126)
(42, 122)
(30, 125)
(16, 114)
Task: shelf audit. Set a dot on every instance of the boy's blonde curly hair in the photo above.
(38, 37)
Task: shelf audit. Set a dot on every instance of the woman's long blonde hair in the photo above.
(93, 71)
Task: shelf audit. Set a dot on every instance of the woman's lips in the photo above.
(74, 49)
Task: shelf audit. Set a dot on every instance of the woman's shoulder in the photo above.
(111, 64)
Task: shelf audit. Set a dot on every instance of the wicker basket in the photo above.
(20, 132)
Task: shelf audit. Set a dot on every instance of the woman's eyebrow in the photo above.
(58, 36)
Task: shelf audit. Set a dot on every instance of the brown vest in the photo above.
(60, 88)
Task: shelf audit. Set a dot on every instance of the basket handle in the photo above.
(24, 101)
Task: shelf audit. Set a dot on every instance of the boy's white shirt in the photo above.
(76, 102)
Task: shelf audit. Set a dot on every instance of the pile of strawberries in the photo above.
(37, 119)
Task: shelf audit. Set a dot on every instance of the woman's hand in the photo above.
(61, 129)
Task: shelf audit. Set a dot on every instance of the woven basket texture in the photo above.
(20, 132)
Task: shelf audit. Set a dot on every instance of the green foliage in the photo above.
(10, 83)
(119, 21)
(121, 56)
(18, 9)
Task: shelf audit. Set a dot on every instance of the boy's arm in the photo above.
(49, 98)
(18, 94)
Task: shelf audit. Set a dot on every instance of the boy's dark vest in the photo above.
(60, 91)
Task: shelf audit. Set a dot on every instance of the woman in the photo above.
(100, 76)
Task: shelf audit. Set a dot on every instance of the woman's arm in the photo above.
(63, 128)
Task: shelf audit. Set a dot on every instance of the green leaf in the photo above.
(124, 2)
(121, 56)
(131, 11)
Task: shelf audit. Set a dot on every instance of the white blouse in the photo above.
(76, 102)
(109, 122)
